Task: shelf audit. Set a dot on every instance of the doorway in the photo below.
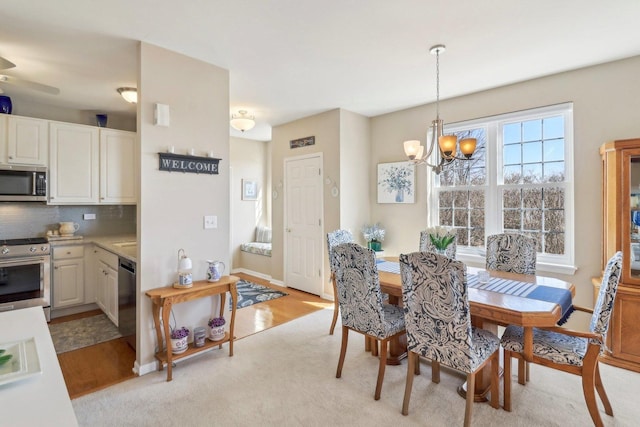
(303, 210)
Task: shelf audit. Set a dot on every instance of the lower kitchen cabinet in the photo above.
(107, 283)
(68, 276)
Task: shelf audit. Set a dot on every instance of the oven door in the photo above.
(24, 282)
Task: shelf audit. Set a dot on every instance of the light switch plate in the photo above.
(210, 221)
(89, 216)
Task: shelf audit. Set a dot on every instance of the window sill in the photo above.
(479, 261)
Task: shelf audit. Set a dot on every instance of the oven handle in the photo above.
(22, 261)
(33, 185)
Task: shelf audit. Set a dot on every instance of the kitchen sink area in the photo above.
(128, 248)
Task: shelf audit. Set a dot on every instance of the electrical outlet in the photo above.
(210, 221)
(89, 216)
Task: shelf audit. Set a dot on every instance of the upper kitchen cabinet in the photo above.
(25, 141)
(73, 164)
(117, 167)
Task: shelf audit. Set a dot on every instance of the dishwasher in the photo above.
(127, 300)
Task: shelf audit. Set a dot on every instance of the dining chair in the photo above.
(438, 323)
(575, 352)
(334, 238)
(511, 252)
(361, 306)
(426, 245)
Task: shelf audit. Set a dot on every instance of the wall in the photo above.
(20, 220)
(326, 129)
(172, 205)
(249, 160)
(606, 102)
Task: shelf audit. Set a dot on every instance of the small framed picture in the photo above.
(249, 189)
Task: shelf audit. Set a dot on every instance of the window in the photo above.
(520, 179)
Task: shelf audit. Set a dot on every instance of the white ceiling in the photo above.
(288, 59)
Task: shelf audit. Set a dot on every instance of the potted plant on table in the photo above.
(179, 340)
(374, 235)
(216, 328)
(441, 237)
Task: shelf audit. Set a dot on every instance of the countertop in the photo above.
(105, 242)
(41, 399)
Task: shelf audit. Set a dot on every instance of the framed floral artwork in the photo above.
(396, 182)
(249, 189)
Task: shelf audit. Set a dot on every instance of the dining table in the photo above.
(507, 299)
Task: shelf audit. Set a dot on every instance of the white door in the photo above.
(303, 223)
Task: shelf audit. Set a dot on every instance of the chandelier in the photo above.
(447, 144)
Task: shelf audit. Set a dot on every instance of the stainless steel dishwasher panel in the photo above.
(127, 300)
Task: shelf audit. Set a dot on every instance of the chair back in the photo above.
(436, 308)
(511, 252)
(358, 287)
(336, 237)
(427, 246)
(606, 296)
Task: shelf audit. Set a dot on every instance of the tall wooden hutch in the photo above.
(621, 232)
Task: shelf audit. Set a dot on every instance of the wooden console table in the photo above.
(165, 298)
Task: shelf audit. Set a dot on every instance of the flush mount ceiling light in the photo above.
(130, 94)
(242, 121)
(446, 143)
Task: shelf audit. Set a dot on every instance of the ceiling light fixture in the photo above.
(446, 143)
(130, 94)
(242, 121)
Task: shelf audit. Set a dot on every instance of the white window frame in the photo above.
(561, 264)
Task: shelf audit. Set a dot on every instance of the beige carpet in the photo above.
(285, 376)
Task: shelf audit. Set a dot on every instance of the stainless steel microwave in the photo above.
(23, 183)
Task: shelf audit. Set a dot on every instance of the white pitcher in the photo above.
(215, 270)
(68, 228)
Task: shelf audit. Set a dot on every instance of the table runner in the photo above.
(562, 297)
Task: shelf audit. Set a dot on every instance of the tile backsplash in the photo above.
(21, 220)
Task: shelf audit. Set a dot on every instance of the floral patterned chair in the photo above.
(361, 303)
(571, 351)
(511, 252)
(334, 238)
(438, 323)
(427, 246)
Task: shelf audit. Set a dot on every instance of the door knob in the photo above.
(288, 230)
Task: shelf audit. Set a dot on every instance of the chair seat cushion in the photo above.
(559, 348)
(484, 345)
(393, 321)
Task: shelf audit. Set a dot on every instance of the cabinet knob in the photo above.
(55, 268)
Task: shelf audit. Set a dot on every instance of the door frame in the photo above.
(285, 249)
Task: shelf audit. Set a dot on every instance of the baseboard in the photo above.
(277, 282)
(251, 273)
(67, 311)
(146, 368)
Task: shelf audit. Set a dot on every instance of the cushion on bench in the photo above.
(258, 248)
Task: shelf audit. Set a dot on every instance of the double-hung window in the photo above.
(520, 179)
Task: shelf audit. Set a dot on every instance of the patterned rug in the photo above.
(250, 293)
(75, 334)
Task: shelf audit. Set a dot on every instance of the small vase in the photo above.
(216, 333)
(179, 345)
(102, 120)
(5, 104)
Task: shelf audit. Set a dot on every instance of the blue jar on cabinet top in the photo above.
(5, 104)
(102, 120)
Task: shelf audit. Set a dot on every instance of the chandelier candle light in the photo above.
(446, 143)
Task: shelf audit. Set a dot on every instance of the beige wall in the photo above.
(172, 205)
(606, 100)
(249, 160)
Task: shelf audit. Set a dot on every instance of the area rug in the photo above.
(250, 293)
(79, 333)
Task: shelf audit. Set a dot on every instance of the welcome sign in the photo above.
(190, 164)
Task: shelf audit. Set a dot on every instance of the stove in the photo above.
(25, 268)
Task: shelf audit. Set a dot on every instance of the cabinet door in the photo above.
(74, 164)
(27, 141)
(112, 295)
(101, 286)
(117, 167)
(68, 282)
(3, 139)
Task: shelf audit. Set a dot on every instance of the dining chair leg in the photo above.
(603, 394)
(471, 385)
(507, 381)
(384, 345)
(526, 373)
(417, 365)
(343, 350)
(336, 306)
(435, 372)
(589, 388)
(411, 361)
(374, 346)
(522, 376)
(495, 380)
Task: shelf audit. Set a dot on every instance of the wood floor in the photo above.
(93, 368)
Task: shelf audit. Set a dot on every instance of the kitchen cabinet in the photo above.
(26, 141)
(74, 164)
(107, 283)
(117, 167)
(621, 232)
(3, 139)
(68, 276)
